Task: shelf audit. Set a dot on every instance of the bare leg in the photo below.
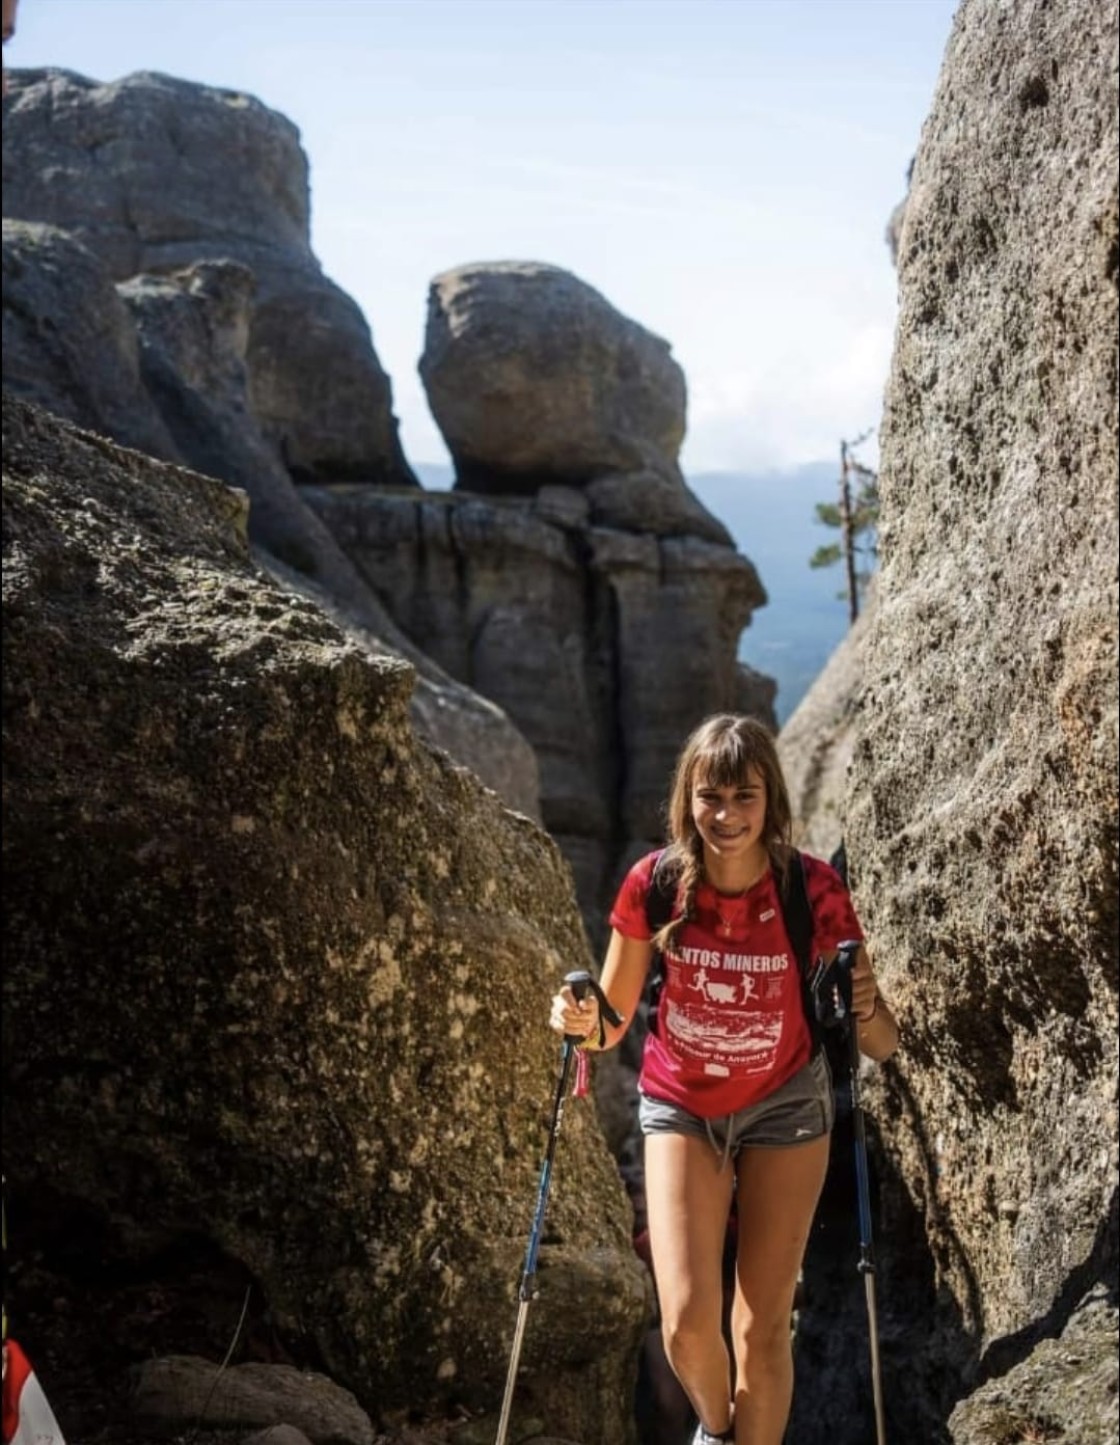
(777, 1197)
(688, 1195)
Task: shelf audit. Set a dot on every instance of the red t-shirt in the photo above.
(731, 1024)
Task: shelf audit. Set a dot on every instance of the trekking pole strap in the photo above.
(581, 984)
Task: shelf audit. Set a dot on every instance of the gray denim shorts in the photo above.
(798, 1112)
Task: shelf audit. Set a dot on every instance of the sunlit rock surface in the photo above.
(276, 972)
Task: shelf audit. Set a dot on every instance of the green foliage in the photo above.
(858, 544)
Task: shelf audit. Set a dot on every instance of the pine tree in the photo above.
(856, 515)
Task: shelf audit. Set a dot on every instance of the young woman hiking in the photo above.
(733, 1096)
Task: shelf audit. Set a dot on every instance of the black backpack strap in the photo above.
(662, 895)
(797, 915)
(660, 901)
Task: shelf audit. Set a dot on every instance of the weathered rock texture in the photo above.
(174, 1393)
(1064, 1390)
(181, 311)
(272, 964)
(605, 647)
(982, 816)
(155, 174)
(815, 745)
(531, 373)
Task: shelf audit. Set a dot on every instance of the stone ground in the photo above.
(83, 1341)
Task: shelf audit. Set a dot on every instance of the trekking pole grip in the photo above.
(581, 984)
(843, 963)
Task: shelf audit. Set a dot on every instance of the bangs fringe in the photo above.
(726, 761)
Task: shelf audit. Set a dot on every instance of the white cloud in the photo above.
(782, 410)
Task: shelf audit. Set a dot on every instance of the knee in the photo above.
(762, 1342)
(689, 1336)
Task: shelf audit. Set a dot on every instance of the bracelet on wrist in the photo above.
(596, 1041)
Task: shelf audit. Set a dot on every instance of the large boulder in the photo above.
(154, 174)
(982, 814)
(276, 972)
(533, 378)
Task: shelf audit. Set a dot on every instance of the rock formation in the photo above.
(187, 173)
(982, 815)
(815, 745)
(531, 374)
(603, 646)
(270, 961)
(191, 321)
(571, 576)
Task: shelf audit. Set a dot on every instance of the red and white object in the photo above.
(28, 1419)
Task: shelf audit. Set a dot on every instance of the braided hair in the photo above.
(721, 752)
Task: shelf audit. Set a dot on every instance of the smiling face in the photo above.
(728, 806)
(731, 817)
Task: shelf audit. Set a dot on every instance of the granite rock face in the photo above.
(154, 174)
(188, 318)
(816, 741)
(530, 372)
(605, 647)
(982, 814)
(269, 959)
(1064, 1390)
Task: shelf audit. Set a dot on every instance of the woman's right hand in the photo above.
(575, 1018)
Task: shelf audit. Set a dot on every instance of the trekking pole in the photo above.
(845, 958)
(580, 983)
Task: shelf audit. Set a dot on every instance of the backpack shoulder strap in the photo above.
(662, 895)
(797, 914)
(661, 900)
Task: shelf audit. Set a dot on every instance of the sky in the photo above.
(722, 171)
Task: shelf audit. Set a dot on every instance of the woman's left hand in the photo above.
(865, 991)
(876, 1029)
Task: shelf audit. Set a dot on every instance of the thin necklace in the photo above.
(736, 900)
(725, 923)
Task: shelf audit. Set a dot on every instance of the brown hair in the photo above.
(722, 750)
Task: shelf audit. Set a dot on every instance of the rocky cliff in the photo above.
(271, 967)
(159, 287)
(572, 583)
(815, 744)
(982, 815)
(575, 580)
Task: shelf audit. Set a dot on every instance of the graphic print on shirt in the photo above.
(722, 1011)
